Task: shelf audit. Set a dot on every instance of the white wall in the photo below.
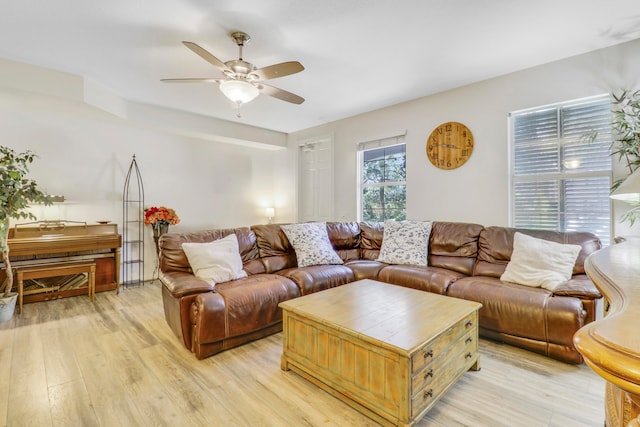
(478, 191)
(84, 154)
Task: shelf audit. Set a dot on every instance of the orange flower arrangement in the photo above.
(156, 216)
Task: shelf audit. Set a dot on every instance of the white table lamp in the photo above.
(270, 213)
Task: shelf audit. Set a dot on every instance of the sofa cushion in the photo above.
(275, 251)
(318, 277)
(345, 239)
(311, 244)
(365, 268)
(540, 263)
(371, 239)
(405, 242)
(580, 286)
(218, 260)
(430, 279)
(454, 246)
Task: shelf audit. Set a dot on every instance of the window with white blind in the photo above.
(382, 179)
(561, 167)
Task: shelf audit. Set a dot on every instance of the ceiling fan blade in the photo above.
(278, 70)
(280, 94)
(206, 55)
(192, 80)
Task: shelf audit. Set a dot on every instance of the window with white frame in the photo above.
(382, 178)
(561, 167)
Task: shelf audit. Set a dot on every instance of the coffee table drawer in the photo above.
(455, 364)
(434, 348)
(463, 349)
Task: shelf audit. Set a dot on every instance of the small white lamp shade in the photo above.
(629, 190)
(270, 213)
(239, 91)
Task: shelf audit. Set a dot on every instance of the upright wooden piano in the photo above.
(55, 243)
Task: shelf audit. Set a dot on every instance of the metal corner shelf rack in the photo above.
(133, 227)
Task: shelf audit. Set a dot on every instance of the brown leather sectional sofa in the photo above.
(465, 261)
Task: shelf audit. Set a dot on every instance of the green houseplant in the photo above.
(16, 193)
(626, 140)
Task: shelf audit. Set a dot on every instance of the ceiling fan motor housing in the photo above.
(239, 68)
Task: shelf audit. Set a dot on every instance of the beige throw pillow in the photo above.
(217, 261)
(540, 263)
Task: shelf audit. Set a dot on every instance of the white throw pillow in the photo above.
(311, 243)
(405, 242)
(540, 263)
(218, 260)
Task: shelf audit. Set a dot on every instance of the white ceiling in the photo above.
(359, 55)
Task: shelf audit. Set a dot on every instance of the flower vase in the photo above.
(159, 228)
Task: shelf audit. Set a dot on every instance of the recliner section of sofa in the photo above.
(543, 321)
(465, 261)
(238, 311)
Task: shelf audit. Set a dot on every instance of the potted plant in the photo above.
(16, 193)
(626, 139)
(160, 218)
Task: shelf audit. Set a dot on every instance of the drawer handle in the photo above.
(468, 324)
(428, 374)
(428, 354)
(468, 340)
(468, 355)
(428, 394)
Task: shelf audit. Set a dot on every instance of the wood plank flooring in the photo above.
(116, 363)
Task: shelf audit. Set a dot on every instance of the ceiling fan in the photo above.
(242, 81)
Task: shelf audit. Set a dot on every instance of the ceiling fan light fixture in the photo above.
(238, 91)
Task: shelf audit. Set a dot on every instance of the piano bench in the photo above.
(53, 270)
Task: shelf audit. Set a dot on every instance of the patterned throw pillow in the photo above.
(405, 242)
(311, 243)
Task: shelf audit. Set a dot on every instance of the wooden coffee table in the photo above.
(388, 351)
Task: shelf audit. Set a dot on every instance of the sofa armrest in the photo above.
(579, 286)
(180, 283)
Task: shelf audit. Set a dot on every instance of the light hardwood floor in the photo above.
(116, 363)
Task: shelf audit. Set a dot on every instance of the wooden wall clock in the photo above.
(450, 145)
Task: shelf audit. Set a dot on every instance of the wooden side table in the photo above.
(54, 270)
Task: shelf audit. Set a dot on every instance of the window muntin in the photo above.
(383, 183)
